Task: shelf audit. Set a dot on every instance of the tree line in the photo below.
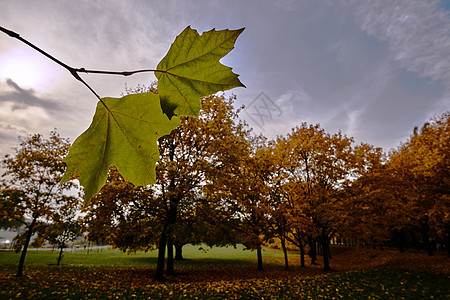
(218, 184)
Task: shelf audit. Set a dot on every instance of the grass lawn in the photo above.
(226, 273)
(194, 255)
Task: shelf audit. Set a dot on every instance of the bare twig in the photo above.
(74, 71)
(123, 73)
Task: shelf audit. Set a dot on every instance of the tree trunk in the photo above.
(312, 250)
(302, 254)
(325, 250)
(319, 249)
(178, 251)
(286, 262)
(25, 247)
(170, 266)
(159, 276)
(172, 218)
(426, 238)
(299, 243)
(260, 262)
(60, 255)
(166, 237)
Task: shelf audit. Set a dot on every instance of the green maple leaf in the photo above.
(191, 70)
(124, 135)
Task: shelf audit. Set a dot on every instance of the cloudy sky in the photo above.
(372, 69)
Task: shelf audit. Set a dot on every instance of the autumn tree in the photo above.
(124, 216)
(243, 181)
(279, 223)
(188, 156)
(10, 217)
(63, 227)
(294, 154)
(293, 224)
(32, 184)
(316, 164)
(277, 206)
(419, 173)
(295, 162)
(175, 210)
(364, 212)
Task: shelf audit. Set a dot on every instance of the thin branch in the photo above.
(74, 71)
(17, 36)
(123, 73)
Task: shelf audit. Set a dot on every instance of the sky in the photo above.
(372, 69)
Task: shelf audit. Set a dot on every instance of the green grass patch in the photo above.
(218, 273)
(193, 255)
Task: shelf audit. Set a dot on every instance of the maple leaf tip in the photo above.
(239, 31)
(186, 29)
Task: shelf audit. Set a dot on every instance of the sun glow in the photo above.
(29, 70)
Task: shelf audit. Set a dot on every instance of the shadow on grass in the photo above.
(196, 262)
(214, 262)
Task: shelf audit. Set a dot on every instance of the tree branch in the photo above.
(73, 71)
(123, 73)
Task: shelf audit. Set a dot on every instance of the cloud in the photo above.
(24, 118)
(417, 32)
(12, 92)
(374, 69)
(16, 122)
(276, 116)
(24, 111)
(10, 133)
